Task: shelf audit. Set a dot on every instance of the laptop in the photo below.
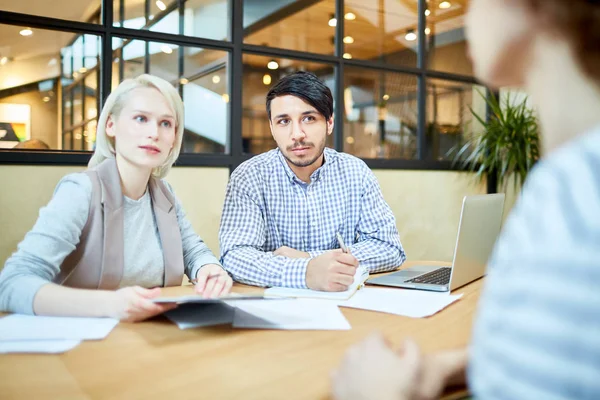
(478, 229)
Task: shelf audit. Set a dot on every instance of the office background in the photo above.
(398, 69)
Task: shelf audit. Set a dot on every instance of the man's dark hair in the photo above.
(305, 86)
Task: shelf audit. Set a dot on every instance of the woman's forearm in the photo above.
(52, 299)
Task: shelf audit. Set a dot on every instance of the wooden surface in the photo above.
(156, 360)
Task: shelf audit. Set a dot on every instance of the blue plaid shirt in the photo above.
(267, 206)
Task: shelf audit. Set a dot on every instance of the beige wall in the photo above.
(426, 204)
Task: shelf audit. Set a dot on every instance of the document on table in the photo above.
(17, 327)
(409, 303)
(291, 314)
(37, 346)
(360, 277)
(198, 315)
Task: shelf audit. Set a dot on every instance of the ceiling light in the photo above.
(52, 62)
(82, 70)
(445, 4)
(46, 99)
(348, 40)
(350, 16)
(26, 32)
(267, 79)
(272, 64)
(216, 79)
(427, 12)
(3, 60)
(350, 140)
(184, 81)
(427, 30)
(161, 6)
(410, 35)
(386, 97)
(347, 56)
(150, 17)
(225, 97)
(332, 21)
(166, 49)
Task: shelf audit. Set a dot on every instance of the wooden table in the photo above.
(156, 360)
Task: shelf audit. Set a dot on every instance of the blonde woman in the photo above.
(113, 234)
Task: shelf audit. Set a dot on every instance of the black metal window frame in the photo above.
(236, 49)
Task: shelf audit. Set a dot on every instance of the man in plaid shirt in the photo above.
(284, 207)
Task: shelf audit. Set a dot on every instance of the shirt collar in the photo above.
(329, 155)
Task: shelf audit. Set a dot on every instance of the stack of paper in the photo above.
(360, 277)
(293, 314)
(405, 302)
(37, 334)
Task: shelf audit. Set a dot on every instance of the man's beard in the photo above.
(306, 162)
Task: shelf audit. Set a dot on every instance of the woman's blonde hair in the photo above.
(105, 145)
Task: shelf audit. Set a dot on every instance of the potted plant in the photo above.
(508, 144)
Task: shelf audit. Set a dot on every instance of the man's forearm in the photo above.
(255, 267)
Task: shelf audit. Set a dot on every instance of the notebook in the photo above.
(360, 277)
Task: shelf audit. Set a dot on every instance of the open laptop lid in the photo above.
(478, 229)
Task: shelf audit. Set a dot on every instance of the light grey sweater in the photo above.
(56, 234)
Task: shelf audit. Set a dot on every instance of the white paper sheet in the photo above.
(409, 303)
(17, 327)
(359, 278)
(38, 346)
(292, 314)
(197, 315)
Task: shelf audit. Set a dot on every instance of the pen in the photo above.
(341, 242)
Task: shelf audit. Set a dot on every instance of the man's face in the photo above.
(299, 130)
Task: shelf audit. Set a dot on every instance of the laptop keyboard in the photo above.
(440, 276)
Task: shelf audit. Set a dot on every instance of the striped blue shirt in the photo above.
(267, 206)
(537, 335)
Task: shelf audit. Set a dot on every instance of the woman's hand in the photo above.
(213, 281)
(133, 304)
(371, 369)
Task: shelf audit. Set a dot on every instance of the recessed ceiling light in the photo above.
(161, 6)
(445, 4)
(46, 99)
(216, 79)
(225, 97)
(347, 56)
(386, 97)
(350, 16)
(272, 64)
(184, 81)
(348, 40)
(427, 12)
(332, 20)
(3, 60)
(410, 35)
(427, 30)
(166, 49)
(266, 79)
(350, 140)
(26, 32)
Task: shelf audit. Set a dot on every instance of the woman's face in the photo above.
(499, 33)
(145, 129)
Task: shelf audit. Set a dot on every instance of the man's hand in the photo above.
(332, 271)
(372, 370)
(290, 253)
(133, 304)
(213, 281)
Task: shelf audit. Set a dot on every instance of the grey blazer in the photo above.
(98, 260)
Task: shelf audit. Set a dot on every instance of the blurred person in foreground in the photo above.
(537, 332)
